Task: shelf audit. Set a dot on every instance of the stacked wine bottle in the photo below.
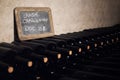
(92, 54)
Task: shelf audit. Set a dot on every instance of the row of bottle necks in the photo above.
(44, 57)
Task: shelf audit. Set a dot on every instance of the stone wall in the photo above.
(68, 15)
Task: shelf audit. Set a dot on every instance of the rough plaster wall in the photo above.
(68, 15)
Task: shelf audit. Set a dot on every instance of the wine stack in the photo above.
(92, 54)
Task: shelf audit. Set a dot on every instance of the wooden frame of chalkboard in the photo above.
(33, 22)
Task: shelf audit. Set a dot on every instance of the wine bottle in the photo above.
(34, 46)
(26, 52)
(6, 68)
(10, 56)
(48, 44)
(58, 42)
(52, 54)
(67, 52)
(62, 44)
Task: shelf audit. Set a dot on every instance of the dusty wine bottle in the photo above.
(25, 51)
(11, 57)
(6, 68)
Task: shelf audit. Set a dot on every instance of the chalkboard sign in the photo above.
(33, 22)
